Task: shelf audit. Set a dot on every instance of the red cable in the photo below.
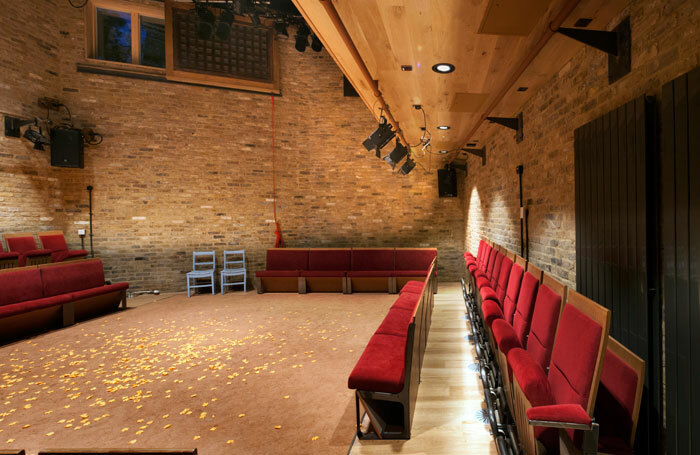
(279, 243)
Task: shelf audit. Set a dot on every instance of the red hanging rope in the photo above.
(279, 243)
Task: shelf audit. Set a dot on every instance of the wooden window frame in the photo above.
(136, 10)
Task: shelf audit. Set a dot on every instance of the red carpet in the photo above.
(225, 374)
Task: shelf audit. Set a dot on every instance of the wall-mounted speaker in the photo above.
(447, 182)
(67, 147)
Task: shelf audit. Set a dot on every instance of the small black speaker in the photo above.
(67, 147)
(447, 182)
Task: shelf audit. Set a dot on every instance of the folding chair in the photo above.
(207, 272)
(234, 268)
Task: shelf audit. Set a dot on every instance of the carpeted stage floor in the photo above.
(248, 374)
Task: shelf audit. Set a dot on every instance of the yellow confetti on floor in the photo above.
(50, 433)
(315, 438)
(277, 427)
(241, 415)
(196, 437)
(167, 426)
(230, 441)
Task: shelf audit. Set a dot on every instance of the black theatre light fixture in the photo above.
(205, 24)
(407, 166)
(223, 27)
(302, 38)
(281, 30)
(381, 136)
(316, 44)
(396, 155)
(36, 137)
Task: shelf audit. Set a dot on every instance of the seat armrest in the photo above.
(568, 416)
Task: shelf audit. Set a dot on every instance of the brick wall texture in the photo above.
(186, 168)
(665, 44)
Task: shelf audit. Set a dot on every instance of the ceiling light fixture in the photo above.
(407, 166)
(443, 127)
(396, 155)
(443, 68)
(302, 38)
(281, 30)
(316, 44)
(380, 137)
(444, 151)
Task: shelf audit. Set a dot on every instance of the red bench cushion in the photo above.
(63, 279)
(370, 273)
(4, 255)
(407, 301)
(414, 259)
(31, 305)
(382, 366)
(62, 255)
(287, 259)
(396, 322)
(413, 286)
(329, 260)
(107, 288)
(373, 259)
(277, 273)
(323, 273)
(409, 273)
(20, 286)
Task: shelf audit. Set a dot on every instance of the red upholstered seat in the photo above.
(502, 282)
(413, 286)
(543, 327)
(277, 273)
(72, 277)
(407, 301)
(512, 292)
(504, 336)
(373, 259)
(491, 312)
(489, 294)
(7, 255)
(322, 273)
(472, 268)
(482, 281)
(382, 366)
(59, 248)
(370, 273)
(287, 259)
(26, 247)
(414, 259)
(31, 305)
(396, 322)
(92, 292)
(409, 273)
(525, 306)
(329, 260)
(495, 272)
(20, 286)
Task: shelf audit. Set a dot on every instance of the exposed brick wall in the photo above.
(665, 44)
(186, 168)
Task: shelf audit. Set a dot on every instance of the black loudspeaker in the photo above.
(66, 147)
(447, 182)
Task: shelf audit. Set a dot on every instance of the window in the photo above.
(125, 32)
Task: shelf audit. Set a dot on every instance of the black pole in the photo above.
(92, 252)
(519, 170)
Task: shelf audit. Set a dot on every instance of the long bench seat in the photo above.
(387, 374)
(343, 269)
(53, 295)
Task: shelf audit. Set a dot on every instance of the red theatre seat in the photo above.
(284, 266)
(56, 242)
(8, 260)
(25, 245)
(327, 269)
(412, 264)
(372, 270)
(382, 366)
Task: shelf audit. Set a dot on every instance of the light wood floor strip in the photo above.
(450, 394)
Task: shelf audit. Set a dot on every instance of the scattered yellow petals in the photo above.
(212, 429)
(196, 437)
(27, 406)
(167, 426)
(125, 429)
(286, 397)
(315, 438)
(26, 426)
(202, 415)
(277, 427)
(241, 415)
(50, 433)
(10, 441)
(133, 441)
(230, 441)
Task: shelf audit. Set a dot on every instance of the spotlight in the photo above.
(396, 155)
(444, 151)
(302, 38)
(316, 44)
(281, 30)
(443, 68)
(381, 136)
(223, 27)
(407, 166)
(443, 127)
(205, 25)
(36, 138)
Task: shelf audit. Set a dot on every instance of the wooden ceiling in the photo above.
(484, 39)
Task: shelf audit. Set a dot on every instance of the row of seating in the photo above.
(54, 295)
(105, 452)
(553, 377)
(342, 269)
(22, 249)
(387, 374)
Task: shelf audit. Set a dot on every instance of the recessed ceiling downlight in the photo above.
(443, 68)
(444, 151)
(443, 127)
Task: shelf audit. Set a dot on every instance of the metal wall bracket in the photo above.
(616, 43)
(514, 123)
(13, 124)
(481, 153)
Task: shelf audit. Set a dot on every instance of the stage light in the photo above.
(205, 24)
(302, 38)
(443, 68)
(380, 137)
(36, 138)
(396, 155)
(223, 27)
(407, 166)
(316, 44)
(444, 152)
(281, 30)
(443, 127)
